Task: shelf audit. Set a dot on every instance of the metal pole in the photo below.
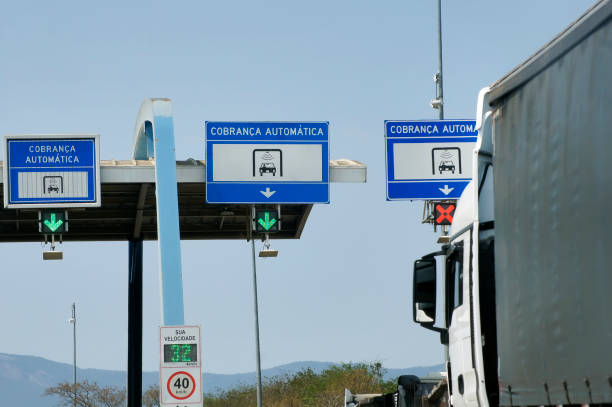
(441, 113)
(134, 370)
(437, 103)
(74, 378)
(258, 372)
(440, 88)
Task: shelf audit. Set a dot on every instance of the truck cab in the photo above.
(464, 268)
(526, 270)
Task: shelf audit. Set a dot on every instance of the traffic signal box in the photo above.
(53, 222)
(444, 212)
(266, 221)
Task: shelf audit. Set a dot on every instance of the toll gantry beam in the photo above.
(129, 208)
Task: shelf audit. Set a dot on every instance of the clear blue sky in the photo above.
(342, 292)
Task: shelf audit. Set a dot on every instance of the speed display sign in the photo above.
(180, 366)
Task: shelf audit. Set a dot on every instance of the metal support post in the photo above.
(134, 370)
(74, 377)
(440, 94)
(72, 320)
(437, 103)
(257, 350)
(440, 87)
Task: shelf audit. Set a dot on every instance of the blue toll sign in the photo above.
(267, 162)
(428, 159)
(51, 171)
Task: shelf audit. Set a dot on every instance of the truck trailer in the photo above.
(526, 272)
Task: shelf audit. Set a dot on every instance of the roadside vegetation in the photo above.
(90, 394)
(302, 389)
(307, 388)
(86, 394)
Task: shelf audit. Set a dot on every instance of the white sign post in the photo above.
(180, 367)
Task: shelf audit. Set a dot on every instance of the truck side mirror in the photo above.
(424, 291)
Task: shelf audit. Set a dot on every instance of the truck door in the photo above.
(458, 319)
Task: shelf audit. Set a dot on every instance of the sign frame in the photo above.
(431, 188)
(167, 370)
(264, 192)
(41, 204)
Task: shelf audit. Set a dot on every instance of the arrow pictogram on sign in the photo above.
(266, 223)
(446, 190)
(52, 224)
(267, 193)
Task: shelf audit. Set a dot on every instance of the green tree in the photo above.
(150, 398)
(86, 394)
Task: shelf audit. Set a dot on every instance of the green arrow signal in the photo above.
(267, 223)
(53, 225)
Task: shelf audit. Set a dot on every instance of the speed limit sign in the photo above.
(181, 385)
(180, 366)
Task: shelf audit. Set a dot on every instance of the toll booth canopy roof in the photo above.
(128, 208)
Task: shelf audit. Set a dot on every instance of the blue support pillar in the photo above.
(154, 138)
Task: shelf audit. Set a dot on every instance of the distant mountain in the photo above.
(420, 371)
(23, 379)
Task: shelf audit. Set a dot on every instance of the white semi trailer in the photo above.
(527, 271)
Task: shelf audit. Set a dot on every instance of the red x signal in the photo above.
(444, 213)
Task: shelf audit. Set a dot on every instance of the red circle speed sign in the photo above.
(181, 385)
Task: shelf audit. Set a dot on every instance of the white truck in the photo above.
(527, 275)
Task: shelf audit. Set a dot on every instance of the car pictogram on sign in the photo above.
(446, 160)
(446, 166)
(267, 167)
